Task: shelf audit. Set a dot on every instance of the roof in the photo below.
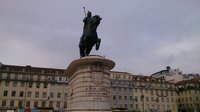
(28, 68)
(195, 80)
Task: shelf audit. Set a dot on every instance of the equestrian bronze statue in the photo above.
(89, 37)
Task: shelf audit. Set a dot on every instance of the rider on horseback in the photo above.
(89, 37)
(87, 20)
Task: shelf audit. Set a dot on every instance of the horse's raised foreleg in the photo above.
(98, 44)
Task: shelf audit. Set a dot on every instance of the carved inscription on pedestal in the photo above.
(96, 91)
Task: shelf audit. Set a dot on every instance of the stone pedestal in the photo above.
(89, 84)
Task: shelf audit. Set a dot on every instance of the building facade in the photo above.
(154, 94)
(32, 87)
(142, 93)
(37, 87)
(121, 91)
(189, 95)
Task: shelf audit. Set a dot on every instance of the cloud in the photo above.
(140, 36)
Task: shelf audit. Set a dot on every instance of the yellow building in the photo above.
(121, 91)
(32, 87)
(137, 93)
(154, 94)
(37, 87)
(189, 95)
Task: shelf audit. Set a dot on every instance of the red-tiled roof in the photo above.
(31, 69)
(194, 80)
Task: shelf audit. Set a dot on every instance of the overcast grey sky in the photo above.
(141, 36)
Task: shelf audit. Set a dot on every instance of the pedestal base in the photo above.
(89, 84)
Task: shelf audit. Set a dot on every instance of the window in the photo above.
(37, 85)
(28, 104)
(152, 99)
(171, 92)
(166, 92)
(12, 103)
(60, 78)
(131, 98)
(147, 99)
(141, 90)
(30, 84)
(29, 94)
(167, 99)
(36, 94)
(125, 105)
(136, 90)
(172, 99)
(65, 104)
(146, 91)
(7, 83)
(136, 98)
(158, 106)
(156, 92)
(51, 95)
(186, 99)
(153, 107)
(190, 98)
(38, 77)
(65, 96)
(114, 97)
(66, 79)
(24, 77)
(3, 103)
(51, 104)
(21, 94)
(120, 97)
(57, 104)
(131, 105)
(5, 93)
(151, 92)
(125, 97)
(44, 94)
(45, 85)
(43, 104)
(14, 84)
(13, 93)
(163, 106)
(136, 106)
(20, 104)
(53, 78)
(162, 99)
(31, 77)
(161, 92)
(58, 95)
(22, 84)
(36, 104)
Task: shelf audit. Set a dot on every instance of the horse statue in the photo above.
(89, 37)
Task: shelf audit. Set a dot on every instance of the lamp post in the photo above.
(142, 98)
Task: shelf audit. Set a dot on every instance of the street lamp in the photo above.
(142, 98)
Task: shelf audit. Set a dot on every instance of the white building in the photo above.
(173, 75)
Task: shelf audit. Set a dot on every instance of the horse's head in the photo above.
(96, 19)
